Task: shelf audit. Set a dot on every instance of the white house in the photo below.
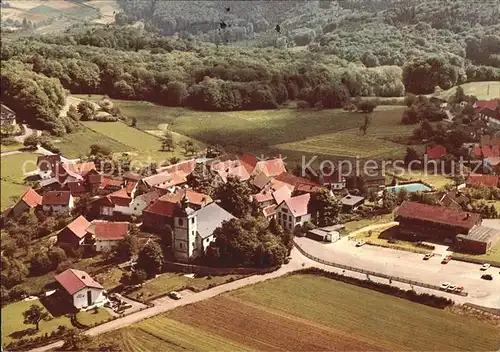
(58, 202)
(293, 212)
(107, 234)
(193, 230)
(82, 289)
(139, 203)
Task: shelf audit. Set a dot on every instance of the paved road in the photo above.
(411, 266)
(13, 152)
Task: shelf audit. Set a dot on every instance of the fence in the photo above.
(373, 273)
(207, 270)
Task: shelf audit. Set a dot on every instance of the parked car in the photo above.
(174, 295)
(451, 288)
(428, 256)
(459, 289)
(446, 260)
(485, 266)
(444, 285)
(487, 277)
(360, 243)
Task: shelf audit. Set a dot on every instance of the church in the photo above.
(193, 229)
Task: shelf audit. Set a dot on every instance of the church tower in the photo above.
(184, 242)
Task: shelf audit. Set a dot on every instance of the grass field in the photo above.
(307, 313)
(291, 132)
(76, 144)
(90, 317)
(11, 171)
(175, 282)
(8, 148)
(12, 322)
(436, 180)
(481, 90)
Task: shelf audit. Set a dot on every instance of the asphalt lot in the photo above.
(411, 266)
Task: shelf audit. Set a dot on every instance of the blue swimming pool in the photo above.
(410, 187)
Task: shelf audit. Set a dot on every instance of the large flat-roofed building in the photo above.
(434, 222)
(479, 239)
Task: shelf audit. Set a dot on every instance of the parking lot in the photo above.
(411, 266)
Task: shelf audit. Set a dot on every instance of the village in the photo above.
(189, 216)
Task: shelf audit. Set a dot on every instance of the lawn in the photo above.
(174, 282)
(294, 133)
(308, 313)
(8, 148)
(384, 234)
(10, 193)
(352, 226)
(78, 144)
(481, 90)
(90, 317)
(12, 322)
(14, 167)
(145, 145)
(12, 174)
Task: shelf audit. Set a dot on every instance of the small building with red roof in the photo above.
(424, 221)
(29, 201)
(488, 109)
(159, 216)
(482, 180)
(107, 234)
(73, 235)
(58, 201)
(435, 152)
(81, 289)
(293, 211)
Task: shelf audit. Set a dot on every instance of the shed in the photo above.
(323, 235)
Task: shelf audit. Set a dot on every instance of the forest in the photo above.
(186, 54)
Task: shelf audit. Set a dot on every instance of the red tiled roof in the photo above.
(110, 231)
(131, 176)
(293, 180)
(161, 207)
(175, 179)
(308, 188)
(73, 280)
(270, 210)
(494, 160)
(298, 205)
(238, 171)
(249, 161)
(483, 180)
(149, 197)
(120, 198)
(107, 181)
(272, 167)
(264, 196)
(486, 104)
(48, 162)
(79, 226)
(193, 197)
(185, 166)
(226, 164)
(436, 152)
(95, 178)
(56, 198)
(260, 181)
(282, 194)
(31, 198)
(437, 214)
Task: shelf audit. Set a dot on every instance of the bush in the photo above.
(8, 141)
(302, 104)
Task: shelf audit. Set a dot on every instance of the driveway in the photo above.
(27, 132)
(410, 266)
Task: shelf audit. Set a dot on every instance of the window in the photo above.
(284, 210)
(181, 222)
(192, 220)
(193, 244)
(180, 245)
(297, 218)
(284, 216)
(289, 218)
